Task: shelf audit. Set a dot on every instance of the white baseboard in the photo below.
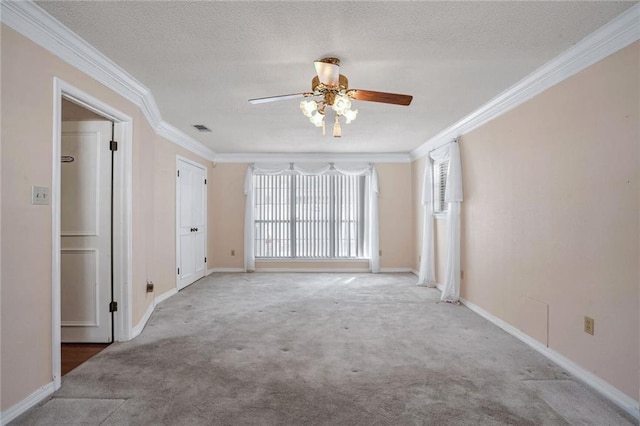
(619, 398)
(37, 396)
(415, 272)
(394, 270)
(164, 296)
(135, 331)
(145, 318)
(212, 270)
(11, 413)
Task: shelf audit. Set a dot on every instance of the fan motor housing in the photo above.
(316, 86)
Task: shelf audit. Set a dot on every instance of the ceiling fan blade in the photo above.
(387, 98)
(277, 98)
(328, 73)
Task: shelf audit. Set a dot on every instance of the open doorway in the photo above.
(86, 191)
(91, 199)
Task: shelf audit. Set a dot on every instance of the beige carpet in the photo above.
(320, 349)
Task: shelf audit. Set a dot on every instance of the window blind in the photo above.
(440, 171)
(310, 217)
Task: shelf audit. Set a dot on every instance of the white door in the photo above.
(191, 199)
(85, 258)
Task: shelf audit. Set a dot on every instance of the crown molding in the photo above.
(608, 39)
(312, 157)
(33, 22)
(176, 136)
(30, 20)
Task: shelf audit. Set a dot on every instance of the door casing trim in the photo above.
(122, 208)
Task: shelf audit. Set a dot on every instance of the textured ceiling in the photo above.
(204, 60)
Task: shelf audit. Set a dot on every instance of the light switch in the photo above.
(39, 195)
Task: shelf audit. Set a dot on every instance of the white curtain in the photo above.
(249, 259)
(357, 169)
(427, 274)
(249, 227)
(453, 197)
(353, 169)
(311, 168)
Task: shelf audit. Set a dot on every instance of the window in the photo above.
(309, 217)
(321, 211)
(440, 170)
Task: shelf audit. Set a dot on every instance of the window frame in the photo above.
(294, 218)
(440, 207)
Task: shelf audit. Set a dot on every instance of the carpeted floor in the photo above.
(319, 349)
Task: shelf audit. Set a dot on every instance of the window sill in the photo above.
(307, 260)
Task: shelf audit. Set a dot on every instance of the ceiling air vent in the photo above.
(201, 128)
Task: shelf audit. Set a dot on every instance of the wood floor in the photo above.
(74, 354)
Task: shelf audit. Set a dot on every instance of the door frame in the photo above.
(122, 210)
(206, 219)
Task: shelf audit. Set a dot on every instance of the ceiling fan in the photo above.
(332, 90)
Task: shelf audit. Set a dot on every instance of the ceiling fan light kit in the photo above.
(333, 90)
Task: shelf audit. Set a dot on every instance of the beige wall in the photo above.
(74, 112)
(417, 176)
(395, 216)
(27, 121)
(226, 215)
(226, 218)
(550, 217)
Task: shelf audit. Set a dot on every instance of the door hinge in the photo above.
(205, 260)
(113, 306)
(205, 181)
(113, 146)
(178, 271)
(178, 173)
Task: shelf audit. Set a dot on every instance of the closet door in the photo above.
(191, 199)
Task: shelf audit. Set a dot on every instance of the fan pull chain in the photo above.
(337, 131)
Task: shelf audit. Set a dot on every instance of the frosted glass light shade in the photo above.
(308, 107)
(327, 73)
(317, 119)
(341, 104)
(350, 115)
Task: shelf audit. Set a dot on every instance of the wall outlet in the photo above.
(149, 286)
(589, 325)
(233, 252)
